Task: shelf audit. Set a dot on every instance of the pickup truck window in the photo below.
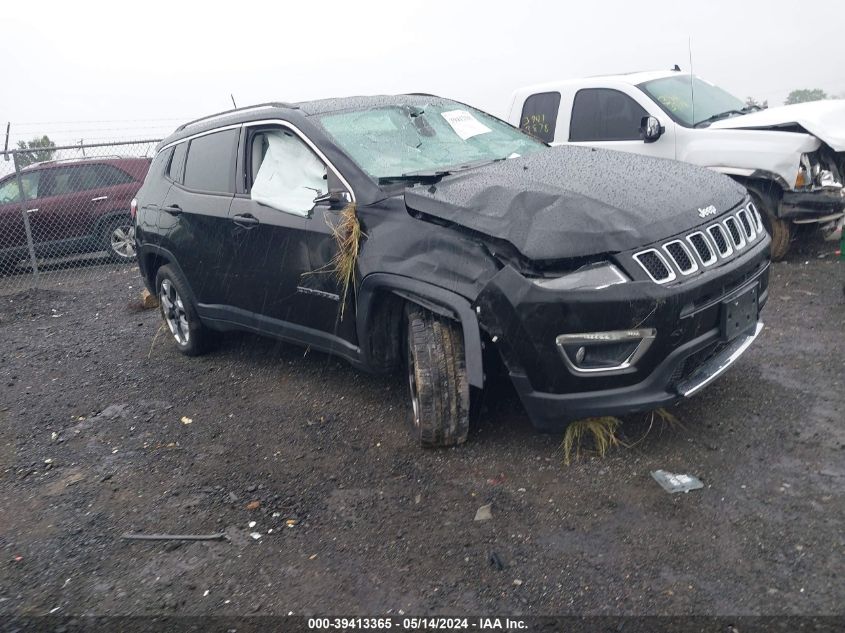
(674, 96)
(602, 114)
(539, 115)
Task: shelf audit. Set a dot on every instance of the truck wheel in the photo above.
(437, 379)
(179, 314)
(779, 230)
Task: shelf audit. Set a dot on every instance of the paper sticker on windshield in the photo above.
(464, 124)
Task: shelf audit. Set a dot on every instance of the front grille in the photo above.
(758, 221)
(655, 265)
(692, 362)
(702, 247)
(720, 238)
(746, 224)
(719, 241)
(681, 256)
(733, 228)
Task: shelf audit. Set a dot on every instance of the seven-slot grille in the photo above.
(702, 248)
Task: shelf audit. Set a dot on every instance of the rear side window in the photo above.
(539, 115)
(602, 114)
(105, 176)
(211, 162)
(176, 169)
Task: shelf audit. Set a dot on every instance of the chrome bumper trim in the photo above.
(714, 367)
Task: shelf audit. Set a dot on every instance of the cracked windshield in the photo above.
(396, 142)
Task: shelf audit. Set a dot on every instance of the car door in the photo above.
(195, 212)
(12, 228)
(63, 212)
(111, 190)
(271, 274)
(611, 119)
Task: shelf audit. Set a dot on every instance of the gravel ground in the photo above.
(106, 429)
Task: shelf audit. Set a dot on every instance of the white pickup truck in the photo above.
(791, 158)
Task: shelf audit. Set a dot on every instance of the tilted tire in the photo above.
(437, 378)
(179, 314)
(118, 239)
(779, 230)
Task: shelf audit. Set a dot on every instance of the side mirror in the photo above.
(650, 129)
(334, 198)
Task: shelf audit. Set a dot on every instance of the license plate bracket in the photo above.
(740, 313)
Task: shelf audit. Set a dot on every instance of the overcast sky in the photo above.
(145, 66)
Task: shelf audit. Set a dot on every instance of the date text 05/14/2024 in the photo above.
(415, 624)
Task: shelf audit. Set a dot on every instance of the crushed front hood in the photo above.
(572, 201)
(823, 119)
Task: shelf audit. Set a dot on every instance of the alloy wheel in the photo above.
(122, 241)
(173, 310)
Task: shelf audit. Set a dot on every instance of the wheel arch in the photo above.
(381, 291)
(102, 221)
(769, 187)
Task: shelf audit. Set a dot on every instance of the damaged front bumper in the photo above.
(691, 346)
(822, 205)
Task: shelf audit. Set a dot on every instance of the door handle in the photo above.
(246, 220)
(173, 209)
(32, 210)
(98, 198)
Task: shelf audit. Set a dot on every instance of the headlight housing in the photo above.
(590, 277)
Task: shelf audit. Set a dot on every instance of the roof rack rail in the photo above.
(269, 104)
(79, 159)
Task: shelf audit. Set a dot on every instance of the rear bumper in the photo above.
(682, 374)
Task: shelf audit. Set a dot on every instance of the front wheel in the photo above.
(779, 230)
(437, 379)
(119, 239)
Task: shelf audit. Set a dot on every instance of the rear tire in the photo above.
(118, 239)
(180, 317)
(439, 389)
(779, 230)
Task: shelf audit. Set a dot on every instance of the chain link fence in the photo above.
(65, 212)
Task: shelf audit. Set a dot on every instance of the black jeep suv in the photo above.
(418, 233)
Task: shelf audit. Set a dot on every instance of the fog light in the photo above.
(597, 352)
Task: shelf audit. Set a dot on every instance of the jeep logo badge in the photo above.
(703, 213)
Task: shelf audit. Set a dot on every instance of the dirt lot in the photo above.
(353, 520)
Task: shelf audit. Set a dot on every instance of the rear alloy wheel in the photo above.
(779, 230)
(179, 314)
(119, 238)
(437, 379)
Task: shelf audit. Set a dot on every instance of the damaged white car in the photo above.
(790, 158)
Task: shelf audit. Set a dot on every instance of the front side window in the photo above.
(690, 100)
(395, 141)
(539, 115)
(285, 173)
(211, 162)
(9, 189)
(61, 181)
(602, 114)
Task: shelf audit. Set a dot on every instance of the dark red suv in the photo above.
(73, 206)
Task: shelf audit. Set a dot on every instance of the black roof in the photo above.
(293, 111)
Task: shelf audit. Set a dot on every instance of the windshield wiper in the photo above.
(721, 115)
(417, 176)
(434, 175)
